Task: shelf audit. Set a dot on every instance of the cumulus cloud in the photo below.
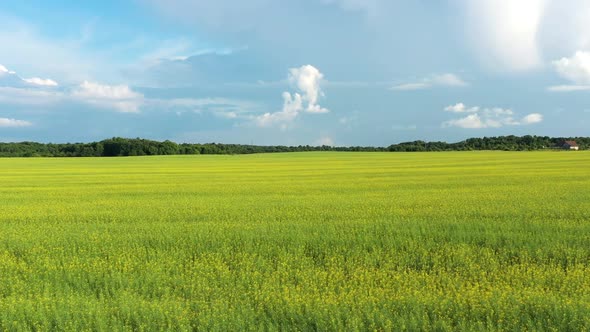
(487, 117)
(444, 80)
(292, 105)
(472, 121)
(307, 79)
(575, 69)
(13, 123)
(532, 118)
(118, 97)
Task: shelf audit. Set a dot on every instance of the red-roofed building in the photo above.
(570, 145)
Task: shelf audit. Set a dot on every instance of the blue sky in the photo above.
(339, 72)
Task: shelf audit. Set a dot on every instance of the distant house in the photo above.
(570, 145)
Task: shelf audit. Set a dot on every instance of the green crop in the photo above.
(308, 241)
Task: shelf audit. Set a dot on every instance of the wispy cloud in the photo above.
(41, 81)
(27, 48)
(11, 79)
(443, 80)
(568, 88)
(411, 86)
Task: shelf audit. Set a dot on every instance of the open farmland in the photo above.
(308, 241)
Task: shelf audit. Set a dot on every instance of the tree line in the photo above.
(503, 143)
(117, 146)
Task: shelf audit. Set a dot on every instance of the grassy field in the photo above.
(309, 241)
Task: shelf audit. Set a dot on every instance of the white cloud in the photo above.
(115, 92)
(40, 81)
(487, 117)
(460, 108)
(13, 123)
(532, 118)
(472, 121)
(118, 97)
(292, 105)
(575, 69)
(445, 80)
(504, 32)
(176, 49)
(11, 79)
(521, 35)
(4, 70)
(307, 79)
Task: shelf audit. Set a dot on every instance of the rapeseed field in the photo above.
(303, 241)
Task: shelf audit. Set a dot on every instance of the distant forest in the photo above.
(141, 147)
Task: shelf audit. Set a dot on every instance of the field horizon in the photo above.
(297, 241)
(118, 146)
